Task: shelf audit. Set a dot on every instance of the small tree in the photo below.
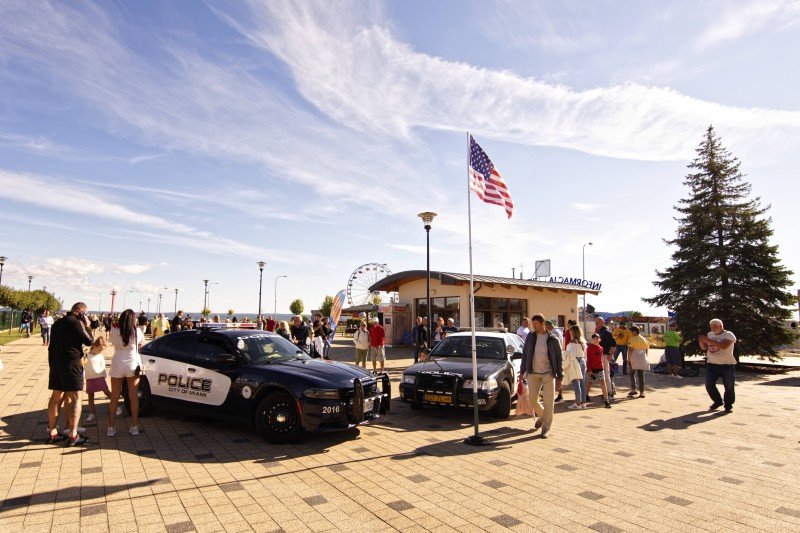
(297, 307)
(230, 313)
(325, 307)
(636, 314)
(724, 266)
(205, 312)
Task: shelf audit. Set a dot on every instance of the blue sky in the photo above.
(154, 144)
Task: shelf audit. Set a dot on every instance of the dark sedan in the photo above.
(446, 378)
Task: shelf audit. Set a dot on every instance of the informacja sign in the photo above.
(592, 285)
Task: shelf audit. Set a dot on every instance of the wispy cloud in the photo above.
(133, 268)
(412, 248)
(525, 25)
(54, 193)
(737, 20)
(354, 69)
(585, 207)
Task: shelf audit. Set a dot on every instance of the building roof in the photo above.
(392, 283)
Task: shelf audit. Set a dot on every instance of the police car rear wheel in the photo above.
(278, 420)
(146, 406)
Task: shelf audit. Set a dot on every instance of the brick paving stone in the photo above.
(405, 475)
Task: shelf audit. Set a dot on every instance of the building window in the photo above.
(490, 311)
(449, 307)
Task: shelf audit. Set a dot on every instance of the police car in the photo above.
(446, 377)
(260, 378)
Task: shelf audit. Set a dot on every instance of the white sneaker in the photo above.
(134, 430)
(119, 410)
(111, 432)
(583, 406)
(574, 406)
(678, 376)
(90, 417)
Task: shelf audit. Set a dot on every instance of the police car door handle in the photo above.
(192, 370)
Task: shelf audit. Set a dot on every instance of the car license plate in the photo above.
(369, 404)
(437, 398)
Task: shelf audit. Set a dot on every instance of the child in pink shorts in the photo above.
(95, 372)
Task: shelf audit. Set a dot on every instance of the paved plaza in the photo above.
(662, 463)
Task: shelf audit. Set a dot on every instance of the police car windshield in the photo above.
(461, 346)
(261, 348)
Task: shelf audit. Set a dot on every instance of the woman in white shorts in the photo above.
(126, 365)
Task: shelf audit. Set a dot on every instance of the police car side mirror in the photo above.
(226, 358)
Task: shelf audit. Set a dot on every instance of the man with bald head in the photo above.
(68, 337)
(720, 363)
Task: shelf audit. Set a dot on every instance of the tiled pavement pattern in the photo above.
(659, 464)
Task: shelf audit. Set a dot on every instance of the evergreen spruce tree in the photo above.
(724, 266)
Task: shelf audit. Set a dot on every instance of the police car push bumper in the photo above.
(447, 389)
(335, 409)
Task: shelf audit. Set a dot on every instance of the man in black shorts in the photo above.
(68, 336)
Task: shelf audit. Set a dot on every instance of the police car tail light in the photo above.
(409, 378)
(322, 394)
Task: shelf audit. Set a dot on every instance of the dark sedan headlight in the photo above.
(409, 379)
(322, 394)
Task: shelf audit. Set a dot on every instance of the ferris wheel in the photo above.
(362, 279)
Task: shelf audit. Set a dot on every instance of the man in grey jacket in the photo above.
(541, 365)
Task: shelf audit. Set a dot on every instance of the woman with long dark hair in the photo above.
(126, 365)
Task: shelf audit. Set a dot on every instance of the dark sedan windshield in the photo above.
(261, 348)
(461, 346)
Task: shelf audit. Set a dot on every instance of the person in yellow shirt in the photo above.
(637, 359)
(621, 336)
(160, 326)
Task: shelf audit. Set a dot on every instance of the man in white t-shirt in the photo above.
(720, 363)
(522, 331)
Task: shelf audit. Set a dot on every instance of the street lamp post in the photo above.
(2, 262)
(30, 278)
(159, 298)
(260, 279)
(583, 278)
(113, 298)
(148, 307)
(275, 312)
(205, 295)
(125, 297)
(427, 218)
(176, 301)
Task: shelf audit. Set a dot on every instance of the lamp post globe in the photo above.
(427, 217)
(2, 263)
(260, 285)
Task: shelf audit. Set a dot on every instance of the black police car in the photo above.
(260, 378)
(446, 378)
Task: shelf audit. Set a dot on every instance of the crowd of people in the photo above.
(549, 359)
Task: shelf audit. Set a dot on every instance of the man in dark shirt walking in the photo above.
(67, 338)
(299, 332)
(608, 343)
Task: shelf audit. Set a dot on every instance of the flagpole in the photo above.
(476, 439)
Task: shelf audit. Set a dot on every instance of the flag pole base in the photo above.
(476, 440)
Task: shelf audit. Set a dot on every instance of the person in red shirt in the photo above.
(377, 344)
(594, 370)
(271, 324)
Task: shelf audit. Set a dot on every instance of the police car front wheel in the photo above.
(278, 419)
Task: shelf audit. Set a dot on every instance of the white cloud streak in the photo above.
(353, 69)
(737, 20)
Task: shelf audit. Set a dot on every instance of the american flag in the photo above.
(485, 180)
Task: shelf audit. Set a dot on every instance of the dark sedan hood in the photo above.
(327, 374)
(459, 365)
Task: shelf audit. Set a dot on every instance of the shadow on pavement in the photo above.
(22, 502)
(682, 421)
